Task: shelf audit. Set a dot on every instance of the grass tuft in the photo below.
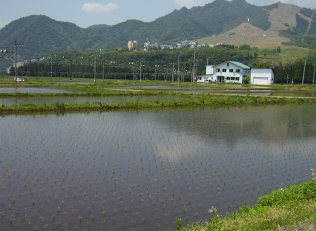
(289, 208)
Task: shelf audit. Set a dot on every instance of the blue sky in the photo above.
(85, 13)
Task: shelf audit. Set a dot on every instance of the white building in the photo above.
(228, 72)
(263, 76)
(235, 72)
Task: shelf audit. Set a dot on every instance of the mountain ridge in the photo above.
(42, 35)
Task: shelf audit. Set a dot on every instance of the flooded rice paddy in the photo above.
(141, 170)
(254, 91)
(31, 90)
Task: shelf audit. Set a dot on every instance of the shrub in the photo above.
(60, 105)
(247, 80)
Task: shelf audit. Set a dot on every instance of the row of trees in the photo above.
(302, 70)
(103, 70)
(162, 64)
(294, 72)
(155, 64)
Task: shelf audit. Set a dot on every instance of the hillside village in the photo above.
(184, 43)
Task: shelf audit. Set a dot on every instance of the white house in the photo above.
(262, 76)
(228, 72)
(235, 72)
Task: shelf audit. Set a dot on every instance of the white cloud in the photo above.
(98, 7)
(188, 3)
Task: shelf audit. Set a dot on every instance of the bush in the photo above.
(247, 80)
(60, 105)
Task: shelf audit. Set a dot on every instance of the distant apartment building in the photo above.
(132, 44)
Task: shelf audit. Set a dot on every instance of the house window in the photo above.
(237, 78)
(224, 70)
(228, 78)
(227, 64)
(237, 70)
(232, 78)
(218, 70)
(231, 70)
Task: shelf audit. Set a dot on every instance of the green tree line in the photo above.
(162, 64)
(122, 63)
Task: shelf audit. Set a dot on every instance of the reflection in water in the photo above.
(31, 90)
(144, 169)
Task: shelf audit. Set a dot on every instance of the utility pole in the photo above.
(314, 74)
(95, 67)
(51, 68)
(15, 61)
(172, 72)
(178, 71)
(193, 71)
(140, 72)
(304, 69)
(103, 71)
(155, 72)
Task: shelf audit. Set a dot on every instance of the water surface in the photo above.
(143, 169)
(32, 90)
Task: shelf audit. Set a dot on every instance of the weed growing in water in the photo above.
(216, 220)
(313, 174)
(178, 224)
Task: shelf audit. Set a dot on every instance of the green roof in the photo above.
(241, 65)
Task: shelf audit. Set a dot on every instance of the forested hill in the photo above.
(221, 16)
(41, 35)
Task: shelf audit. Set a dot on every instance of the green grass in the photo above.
(189, 100)
(289, 208)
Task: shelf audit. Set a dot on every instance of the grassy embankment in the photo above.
(88, 84)
(289, 208)
(190, 100)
